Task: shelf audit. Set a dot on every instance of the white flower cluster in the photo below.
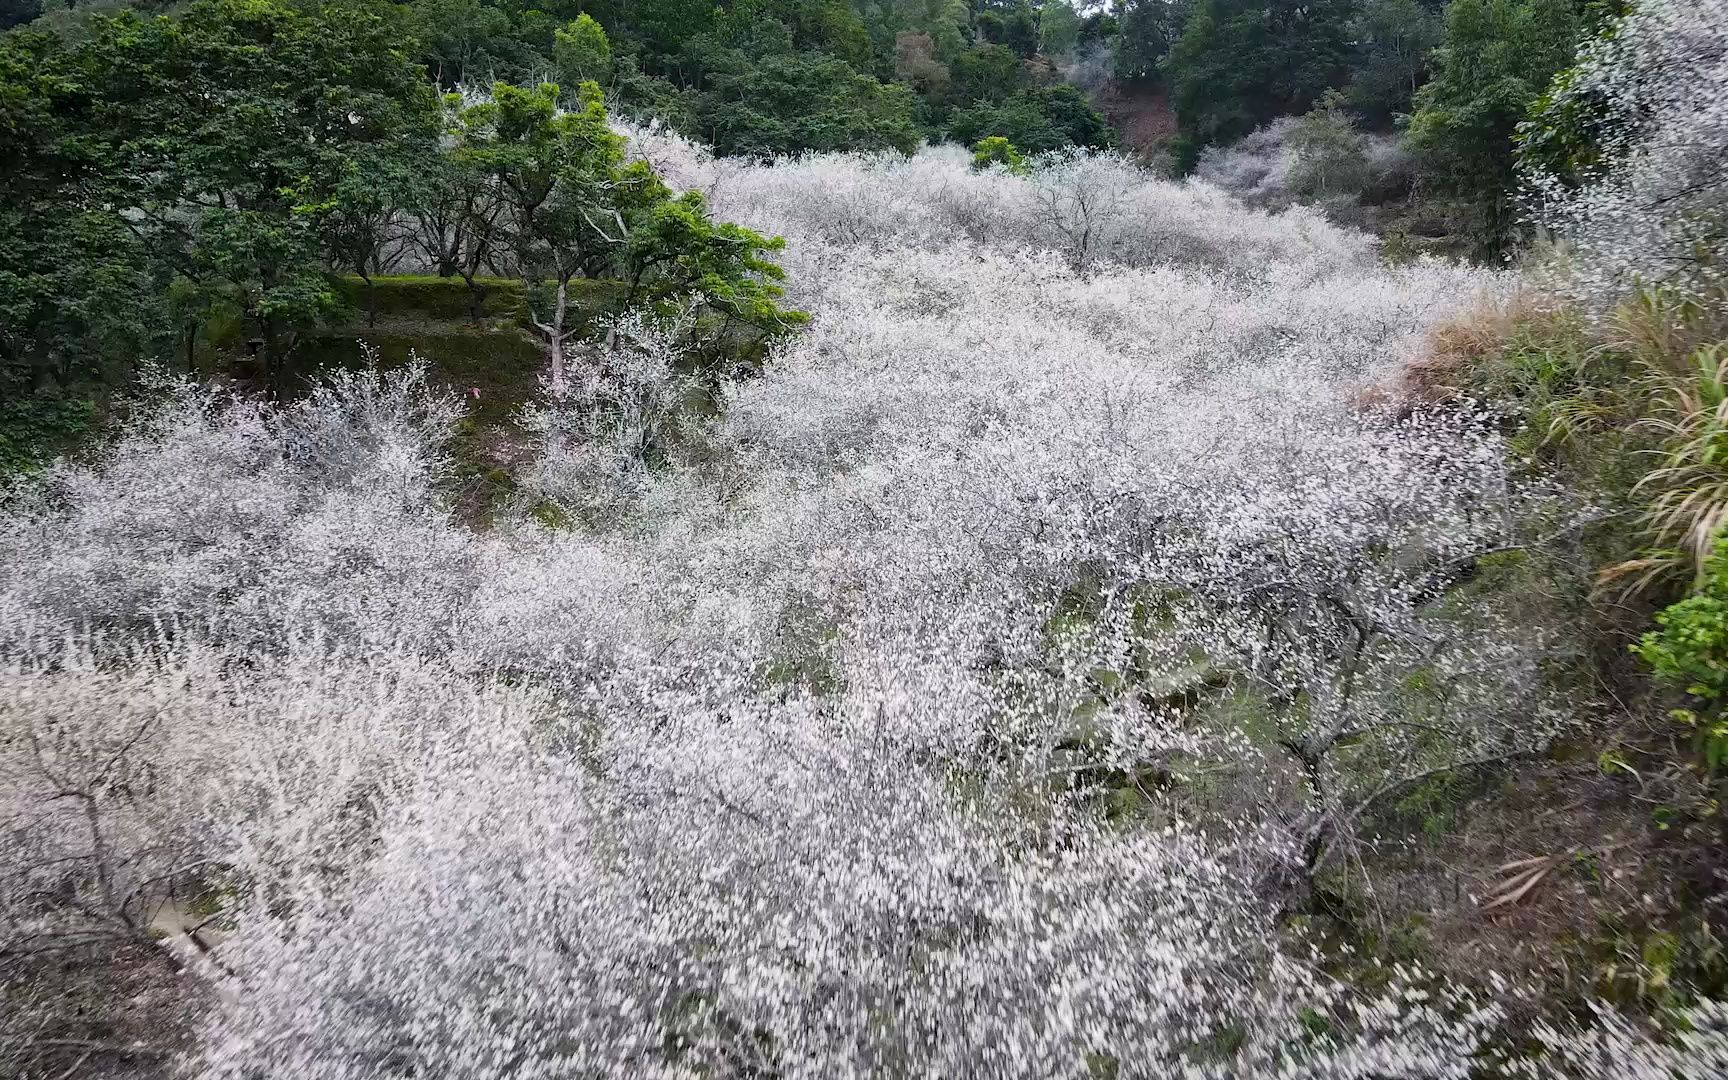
(859, 730)
(1265, 168)
(1654, 90)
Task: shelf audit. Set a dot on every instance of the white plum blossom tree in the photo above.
(1653, 209)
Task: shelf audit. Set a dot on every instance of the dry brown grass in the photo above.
(1446, 361)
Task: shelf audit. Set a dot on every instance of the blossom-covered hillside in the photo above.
(990, 685)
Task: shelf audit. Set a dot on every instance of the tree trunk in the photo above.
(555, 340)
(476, 296)
(371, 298)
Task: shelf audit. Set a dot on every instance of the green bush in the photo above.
(995, 150)
(425, 296)
(440, 299)
(35, 427)
(1689, 649)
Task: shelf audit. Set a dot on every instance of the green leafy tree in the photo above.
(946, 21)
(1037, 121)
(987, 73)
(995, 150)
(234, 130)
(460, 38)
(664, 26)
(916, 65)
(805, 101)
(1561, 138)
(559, 180)
(1498, 59)
(677, 253)
(79, 297)
(1240, 63)
(1009, 23)
(1331, 154)
(581, 52)
(1393, 41)
(1098, 28)
(458, 214)
(1058, 28)
(825, 26)
(359, 221)
(16, 12)
(573, 208)
(1145, 31)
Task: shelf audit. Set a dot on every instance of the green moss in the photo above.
(551, 515)
(426, 296)
(419, 296)
(501, 365)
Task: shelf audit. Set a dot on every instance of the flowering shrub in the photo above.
(1318, 158)
(1651, 205)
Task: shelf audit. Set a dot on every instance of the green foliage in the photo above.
(676, 252)
(36, 426)
(1037, 121)
(15, 12)
(1393, 41)
(1498, 59)
(1688, 488)
(268, 118)
(997, 151)
(1688, 649)
(1240, 63)
(990, 73)
(74, 282)
(786, 104)
(575, 209)
(1658, 969)
(1560, 137)
(1010, 23)
(581, 52)
(166, 173)
(1331, 157)
(560, 173)
(1145, 31)
(1058, 28)
(460, 39)
(201, 181)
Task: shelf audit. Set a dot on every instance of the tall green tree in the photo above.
(235, 129)
(79, 295)
(558, 174)
(1393, 40)
(987, 73)
(805, 101)
(1058, 28)
(1145, 32)
(1009, 23)
(1036, 121)
(461, 38)
(825, 26)
(573, 208)
(1498, 59)
(582, 52)
(1240, 63)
